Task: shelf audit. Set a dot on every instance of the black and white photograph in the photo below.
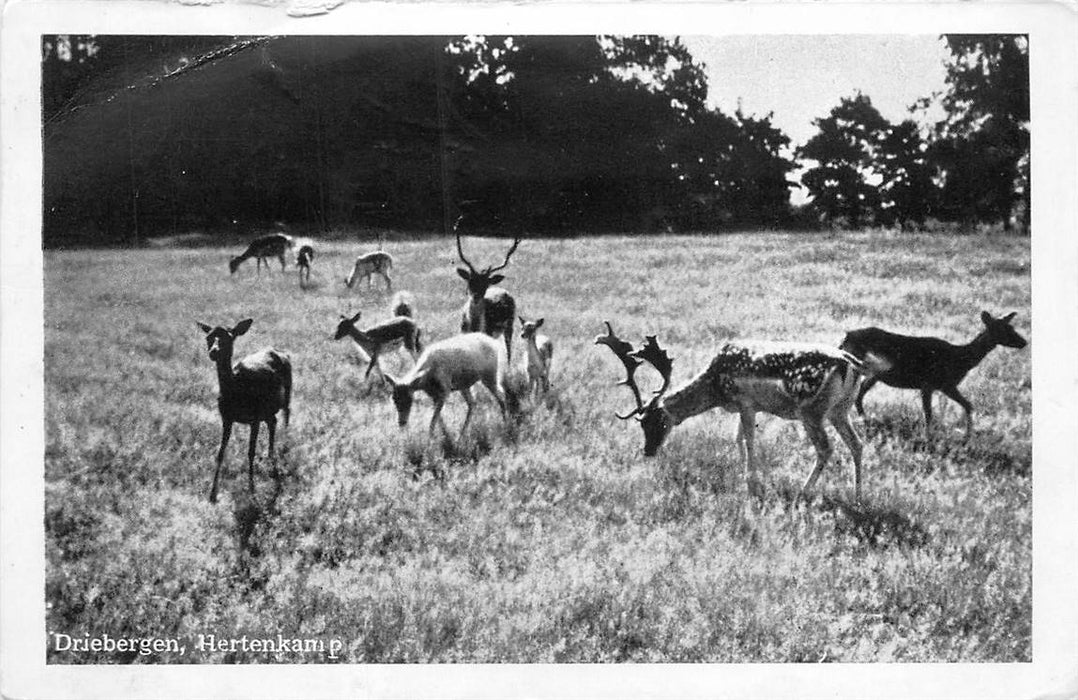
(519, 352)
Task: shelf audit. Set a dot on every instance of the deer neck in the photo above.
(976, 350)
(226, 377)
(694, 398)
(477, 311)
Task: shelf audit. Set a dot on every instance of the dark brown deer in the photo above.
(796, 381)
(251, 392)
(392, 334)
(490, 309)
(304, 258)
(927, 364)
(272, 246)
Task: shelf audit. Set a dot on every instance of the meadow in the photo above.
(552, 539)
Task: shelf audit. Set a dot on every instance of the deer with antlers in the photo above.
(490, 309)
(928, 364)
(252, 392)
(795, 381)
(272, 246)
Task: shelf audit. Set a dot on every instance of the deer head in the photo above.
(219, 341)
(346, 325)
(653, 418)
(479, 281)
(1000, 331)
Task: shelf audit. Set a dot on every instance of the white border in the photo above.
(1053, 29)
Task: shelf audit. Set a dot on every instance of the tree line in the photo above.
(565, 135)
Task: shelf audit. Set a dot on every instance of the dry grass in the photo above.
(553, 540)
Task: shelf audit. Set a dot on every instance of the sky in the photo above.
(800, 78)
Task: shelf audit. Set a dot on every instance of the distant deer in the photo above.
(304, 258)
(251, 392)
(376, 340)
(489, 309)
(540, 354)
(796, 381)
(403, 304)
(272, 246)
(453, 364)
(376, 263)
(926, 363)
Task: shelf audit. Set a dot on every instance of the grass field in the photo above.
(554, 540)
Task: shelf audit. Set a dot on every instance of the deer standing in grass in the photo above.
(272, 246)
(453, 364)
(376, 340)
(540, 354)
(795, 381)
(490, 309)
(376, 263)
(928, 364)
(251, 392)
(304, 258)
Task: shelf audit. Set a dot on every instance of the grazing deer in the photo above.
(453, 364)
(926, 363)
(272, 246)
(304, 258)
(540, 353)
(403, 304)
(376, 263)
(252, 391)
(796, 381)
(489, 309)
(391, 335)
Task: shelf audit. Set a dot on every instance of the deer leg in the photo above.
(470, 400)
(926, 406)
(818, 435)
(865, 386)
(746, 433)
(281, 258)
(841, 421)
(373, 362)
(953, 394)
(271, 429)
(389, 282)
(436, 418)
(226, 431)
(499, 395)
(251, 456)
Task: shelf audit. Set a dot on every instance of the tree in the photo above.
(982, 146)
(844, 182)
(908, 193)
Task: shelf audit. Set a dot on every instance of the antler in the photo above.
(512, 250)
(657, 358)
(624, 352)
(460, 250)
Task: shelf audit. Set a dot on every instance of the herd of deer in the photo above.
(811, 383)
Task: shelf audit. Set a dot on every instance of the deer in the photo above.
(376, 340)
(928, 364)
(377, 263)
(251, 392)
(403, 304)
(304, 258)
(810, 383)
(453, 364)
(540, 354)
(489, 309)
(273, 245)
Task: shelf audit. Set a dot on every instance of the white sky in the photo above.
(801, 77)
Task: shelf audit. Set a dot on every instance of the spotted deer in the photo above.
(540, 354)
(489, 309)
(454, 364)
(275, 245)
(251, 392)
(393, 334)
(304, 258)
(376, 263)
(926, 363)
(795, 381)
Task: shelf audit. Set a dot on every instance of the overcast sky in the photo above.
(800, 78)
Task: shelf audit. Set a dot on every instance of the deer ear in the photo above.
(203, 326)
(539, 323)
(1009, 317)
(465, 274)
(242, 327)
(522, 321)
(389, 381)
(495, 279)
(986, 317)
(356, 317)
